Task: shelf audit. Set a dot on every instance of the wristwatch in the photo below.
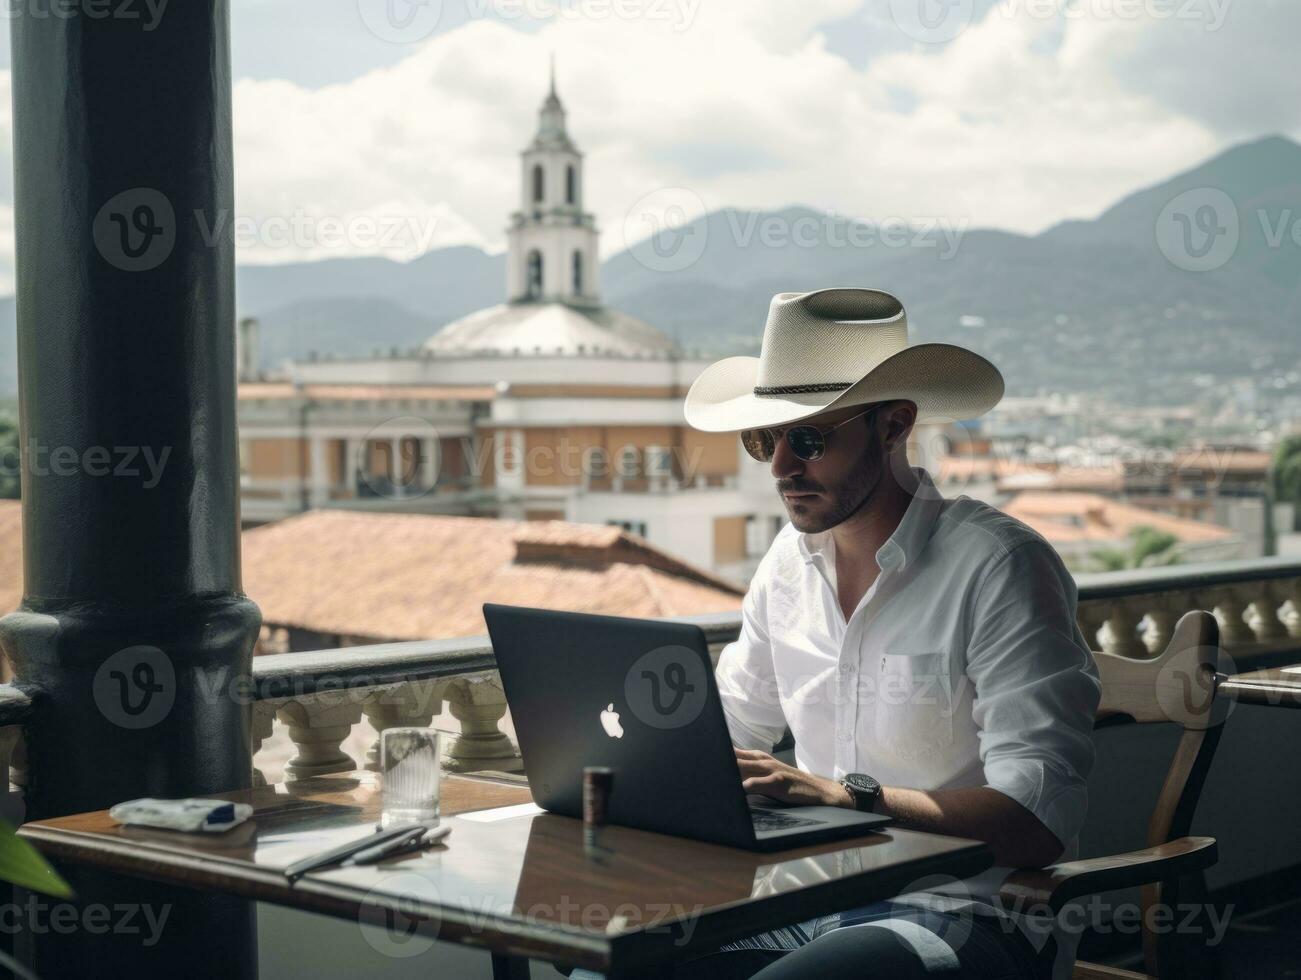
(863, 790)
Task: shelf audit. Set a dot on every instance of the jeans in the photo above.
(883, 940)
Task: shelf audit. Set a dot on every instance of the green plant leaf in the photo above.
(21, 864)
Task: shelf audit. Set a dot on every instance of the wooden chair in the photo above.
(1178, 686)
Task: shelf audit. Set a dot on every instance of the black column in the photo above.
(133, 631)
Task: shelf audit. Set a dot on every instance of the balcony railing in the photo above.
(321, 696)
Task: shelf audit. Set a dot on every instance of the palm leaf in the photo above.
(22, 865)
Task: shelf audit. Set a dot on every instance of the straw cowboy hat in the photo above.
(833, 348)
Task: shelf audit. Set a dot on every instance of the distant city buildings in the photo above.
(1087, 499)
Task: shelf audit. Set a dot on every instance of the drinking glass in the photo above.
(409, 770)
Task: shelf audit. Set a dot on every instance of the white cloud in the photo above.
(1012, 133)
(1018, 123)
(746, 107)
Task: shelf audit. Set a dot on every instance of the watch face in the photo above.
(862, 783)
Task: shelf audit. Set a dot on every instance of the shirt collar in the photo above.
(907, 541)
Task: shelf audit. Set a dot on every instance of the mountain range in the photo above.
(1172, 287)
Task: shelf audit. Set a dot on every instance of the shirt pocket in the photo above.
(914, 703)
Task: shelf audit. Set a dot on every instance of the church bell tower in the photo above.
(553, 241)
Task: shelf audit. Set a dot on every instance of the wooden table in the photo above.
(518, 886)
(1275, 687)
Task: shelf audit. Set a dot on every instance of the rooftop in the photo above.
(1013, 474)
(414, 576)
(1110, 477)
(1069, 517)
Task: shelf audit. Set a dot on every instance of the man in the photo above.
(923, 652)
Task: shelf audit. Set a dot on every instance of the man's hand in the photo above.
(761, 773)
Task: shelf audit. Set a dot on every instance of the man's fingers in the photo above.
(752, 767)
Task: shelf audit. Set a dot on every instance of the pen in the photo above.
(415, 840)
(336, 854)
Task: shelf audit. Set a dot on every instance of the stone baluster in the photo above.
(9, 738)
(18, 762)
(1264, 612)
(263, 717)
(318, 724)
(408, 706)
(1292, 616)
(1229, 609)
(1163, 611)
(479, 703)
(1120, 635)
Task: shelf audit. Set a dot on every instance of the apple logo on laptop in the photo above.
(610, 721)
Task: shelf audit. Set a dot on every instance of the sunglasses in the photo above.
(807, 442)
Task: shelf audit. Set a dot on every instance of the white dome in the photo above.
(550, 329)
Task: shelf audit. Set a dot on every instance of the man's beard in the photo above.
(841, 503)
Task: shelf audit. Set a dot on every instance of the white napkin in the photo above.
(209, 816)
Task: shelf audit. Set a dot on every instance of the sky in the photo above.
(387, 127)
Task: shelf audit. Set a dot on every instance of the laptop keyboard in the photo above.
(765, 819)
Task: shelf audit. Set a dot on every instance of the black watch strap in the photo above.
(864, 790)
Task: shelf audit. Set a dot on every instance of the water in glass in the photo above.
(409, 767)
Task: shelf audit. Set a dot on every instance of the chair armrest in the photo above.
(1057, 885)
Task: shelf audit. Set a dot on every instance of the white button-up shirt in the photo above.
(961, 666)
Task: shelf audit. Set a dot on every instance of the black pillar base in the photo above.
(134, 705)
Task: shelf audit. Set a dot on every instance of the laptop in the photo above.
(639, 696)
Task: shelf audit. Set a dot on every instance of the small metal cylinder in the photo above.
(598, 784)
